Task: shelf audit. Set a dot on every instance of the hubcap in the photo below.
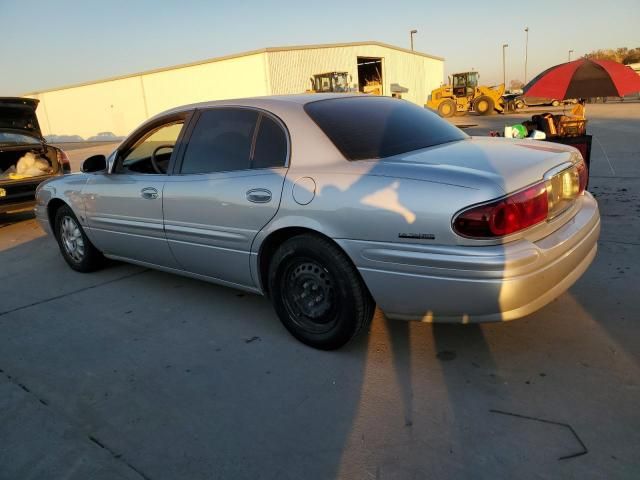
(309, 295)
(71, 238)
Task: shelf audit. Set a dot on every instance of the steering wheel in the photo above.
(154, 163)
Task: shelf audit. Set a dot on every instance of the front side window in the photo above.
(151, 154)
(459, 81)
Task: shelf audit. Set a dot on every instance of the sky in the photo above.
(49, 43)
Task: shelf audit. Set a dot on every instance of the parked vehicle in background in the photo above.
(64, 138)
(522, 102)
(26, 159)
(105, 137)
(330, 204)
(463, 94)
(330, 82)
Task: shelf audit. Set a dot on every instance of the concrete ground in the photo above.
(135, 374)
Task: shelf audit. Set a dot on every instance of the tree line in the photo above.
(620, 55)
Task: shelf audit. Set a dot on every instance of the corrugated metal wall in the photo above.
(120, 105)
(290, 70)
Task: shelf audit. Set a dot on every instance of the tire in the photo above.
(341, 308)
(75, 246)
(447, 109)
(483, 105)
(555, 103)
(520, 104)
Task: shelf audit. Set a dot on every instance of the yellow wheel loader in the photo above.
(464, 95)
(330, 82)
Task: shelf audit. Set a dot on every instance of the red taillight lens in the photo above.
(516, 212)
(583, 174)
(63, 160)
(542, 201)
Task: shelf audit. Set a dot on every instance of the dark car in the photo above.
(105, 137)
(26, 160)
(522, 101)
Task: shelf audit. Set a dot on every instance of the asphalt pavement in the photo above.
(135, 374)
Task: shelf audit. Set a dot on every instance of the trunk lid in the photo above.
(18, 115)
(508, 164)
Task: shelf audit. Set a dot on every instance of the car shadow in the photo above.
(7, 219)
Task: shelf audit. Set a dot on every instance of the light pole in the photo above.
(504, 68)
(570, 52)
(526, 49)
(411, 35)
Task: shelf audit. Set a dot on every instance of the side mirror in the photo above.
(96, 163)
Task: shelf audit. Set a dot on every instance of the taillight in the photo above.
(63, 160)
(508, 215)
(583, 174)
(523, 209)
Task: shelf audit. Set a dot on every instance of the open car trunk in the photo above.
(20, 178)
(17, 164)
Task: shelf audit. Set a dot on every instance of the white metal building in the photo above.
(120, 104)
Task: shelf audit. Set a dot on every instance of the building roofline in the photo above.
(232, 56)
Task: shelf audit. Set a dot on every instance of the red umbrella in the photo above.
(584, 78)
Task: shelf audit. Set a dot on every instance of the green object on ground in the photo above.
(521, 131)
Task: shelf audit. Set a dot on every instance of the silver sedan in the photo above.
(331, 204)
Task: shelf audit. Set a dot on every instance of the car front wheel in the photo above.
(317, 292)
(75, 246)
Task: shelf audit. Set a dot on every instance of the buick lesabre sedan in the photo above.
(331, 204)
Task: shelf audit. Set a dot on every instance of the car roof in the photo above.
(295, 101)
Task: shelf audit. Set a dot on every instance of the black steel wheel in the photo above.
(75, 246)
(317, 292)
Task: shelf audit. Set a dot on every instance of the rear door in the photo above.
(226, 187)
(124, 207)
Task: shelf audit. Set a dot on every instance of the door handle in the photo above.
(149, 193)
(259, 195)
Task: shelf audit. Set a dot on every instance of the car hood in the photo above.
(508, 164)
(18, 115)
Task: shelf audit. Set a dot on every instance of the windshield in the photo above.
(17, 139)
(367, 127)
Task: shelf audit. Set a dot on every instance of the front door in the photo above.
(124, 207)
(226, 188)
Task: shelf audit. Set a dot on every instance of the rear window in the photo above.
(377, 127)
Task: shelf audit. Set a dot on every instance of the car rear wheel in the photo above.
(75, 246)
(483, 105)
(317, 292)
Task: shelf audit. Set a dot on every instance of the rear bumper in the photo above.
(477, 284)
(17, 206)
(20, 195)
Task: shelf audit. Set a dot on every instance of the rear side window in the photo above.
(221, 141)
(377, 127)
(271, 145)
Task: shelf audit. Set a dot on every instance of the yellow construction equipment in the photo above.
(330, 82)
(464, 94)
